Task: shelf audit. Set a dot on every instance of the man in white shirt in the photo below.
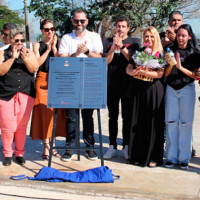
(80, 43)
(5, 35)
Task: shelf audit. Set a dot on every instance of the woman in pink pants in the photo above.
(17, 67)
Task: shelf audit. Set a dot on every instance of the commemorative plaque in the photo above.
(77, 83)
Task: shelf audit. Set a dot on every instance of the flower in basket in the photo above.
(146, 59)
(147, 50)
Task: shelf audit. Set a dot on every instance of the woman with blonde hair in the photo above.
(147, 127)
(42, 117)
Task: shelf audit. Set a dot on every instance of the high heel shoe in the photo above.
(45, 156)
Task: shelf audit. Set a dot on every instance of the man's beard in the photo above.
(80, 30)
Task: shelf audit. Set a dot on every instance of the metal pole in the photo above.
(26, 25)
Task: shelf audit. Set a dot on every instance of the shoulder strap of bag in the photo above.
(19, 177)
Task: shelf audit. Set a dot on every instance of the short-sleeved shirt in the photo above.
(117, 76)
(69, 43)
(3, 46)
(190, 61)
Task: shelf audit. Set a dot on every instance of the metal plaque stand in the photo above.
(77, 143)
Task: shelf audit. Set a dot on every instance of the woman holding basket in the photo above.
(147, 127)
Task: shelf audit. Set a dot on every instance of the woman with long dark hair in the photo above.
(180, 98)
(42, 118)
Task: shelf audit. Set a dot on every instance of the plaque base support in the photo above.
(77, 146)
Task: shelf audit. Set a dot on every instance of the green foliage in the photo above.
(143, 57)
(141, 13)
(40, 38)
(102, 14)
(7, 15)
(57, 10)
(146, 59)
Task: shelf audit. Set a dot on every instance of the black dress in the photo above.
(147, 126)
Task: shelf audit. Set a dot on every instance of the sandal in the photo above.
(45, 156)
(55, 153)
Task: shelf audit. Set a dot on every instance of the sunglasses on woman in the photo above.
(48, 29)
(17, 40)
(76, 21)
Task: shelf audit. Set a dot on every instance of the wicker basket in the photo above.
(144, 78)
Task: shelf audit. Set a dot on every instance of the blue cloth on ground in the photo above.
(96, 175)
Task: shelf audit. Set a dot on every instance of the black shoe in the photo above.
(184, 165)
(194, 153)
(67, 156)
(91, 155)
(7, 161)
(20, 160)
(169, 164)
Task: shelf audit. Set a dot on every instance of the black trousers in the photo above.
(114, 95)
(88, 126)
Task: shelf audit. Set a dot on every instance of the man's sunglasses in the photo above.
(3, 33)
(17, 40)
(76, 21)
(48, 29)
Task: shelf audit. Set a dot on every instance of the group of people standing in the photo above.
(148, 107)
(159, 107)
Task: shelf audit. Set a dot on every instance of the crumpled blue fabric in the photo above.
(96, 175)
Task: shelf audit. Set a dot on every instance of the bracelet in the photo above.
(87, 52)
(122, 47)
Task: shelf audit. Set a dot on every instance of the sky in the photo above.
(34, 22)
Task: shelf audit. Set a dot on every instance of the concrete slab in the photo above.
(134, 183)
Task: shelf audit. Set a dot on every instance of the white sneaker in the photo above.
(125, 152)
(111, 153)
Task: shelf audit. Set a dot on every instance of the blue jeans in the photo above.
(179, 117)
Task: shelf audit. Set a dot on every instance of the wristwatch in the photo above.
(122, 47)
(87, 52)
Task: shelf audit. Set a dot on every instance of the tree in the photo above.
(190, 9)
(57, 10)
(9, 16)
(103, 13)
(141, 13)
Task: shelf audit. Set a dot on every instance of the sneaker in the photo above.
(125, 152)
(20, 160)
(67, 156)
(7, 161)
(91, 155)
(184, 165)
(111, 153)
(169, 164)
